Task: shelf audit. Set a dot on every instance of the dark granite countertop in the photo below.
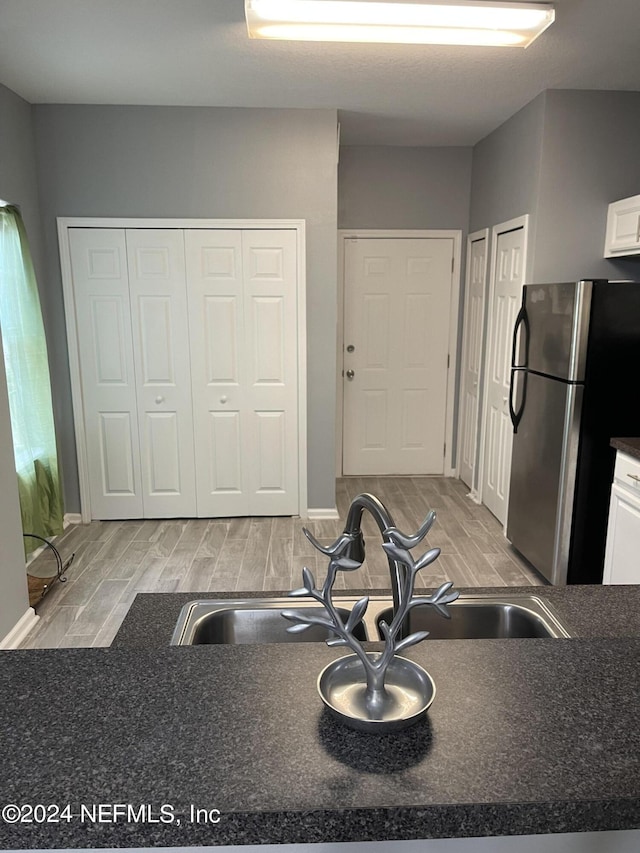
(586, 611)
(524, 736)
(630, 446)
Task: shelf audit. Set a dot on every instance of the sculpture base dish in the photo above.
(409, 691)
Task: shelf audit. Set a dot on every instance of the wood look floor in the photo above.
(114, 560)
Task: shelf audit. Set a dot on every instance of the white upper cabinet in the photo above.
(623, 228)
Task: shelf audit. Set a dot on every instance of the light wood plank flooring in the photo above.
(117, 559)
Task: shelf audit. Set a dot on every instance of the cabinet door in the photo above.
(623, 228)
(105, 350)
(158, 297)
(622, 559)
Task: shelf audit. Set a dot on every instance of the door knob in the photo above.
(159, 400)
(350, 374)
(223, 399)
(351, 348)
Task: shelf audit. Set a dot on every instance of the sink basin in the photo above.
(483, 618)
(249, 621)
(258, 620)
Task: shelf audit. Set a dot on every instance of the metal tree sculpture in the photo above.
(375, 665)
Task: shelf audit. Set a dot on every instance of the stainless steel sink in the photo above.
(481, 618)
(258, 620)
(243, 621)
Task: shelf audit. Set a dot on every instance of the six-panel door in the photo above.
(397, 292)
(509, 280)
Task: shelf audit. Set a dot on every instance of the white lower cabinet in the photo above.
(188, 355)
(622, 557)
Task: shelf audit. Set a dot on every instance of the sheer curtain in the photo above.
(27, 367)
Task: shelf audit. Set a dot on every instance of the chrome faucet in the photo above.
(351, 543)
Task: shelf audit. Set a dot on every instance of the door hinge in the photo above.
(448, 360)
(444, 452)
(453, 264)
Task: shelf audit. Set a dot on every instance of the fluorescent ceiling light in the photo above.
(462, 22)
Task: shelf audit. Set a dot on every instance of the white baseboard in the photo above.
(474, 496)
(72, 518)
(322, 513)
(20, 630)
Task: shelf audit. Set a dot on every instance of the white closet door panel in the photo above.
(473, 340)
(101, 292)
(158, 296)
(509, 279)
(271, 414)
(116, 459)
(218, 370)
(163, 464)
(225, 449)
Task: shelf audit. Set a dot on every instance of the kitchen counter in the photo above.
(524, 736)
(586, 611)
(630, 446)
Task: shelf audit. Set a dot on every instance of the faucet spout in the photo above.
(356, 548)
(351, 544)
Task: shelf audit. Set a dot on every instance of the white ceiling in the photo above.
(196, 52)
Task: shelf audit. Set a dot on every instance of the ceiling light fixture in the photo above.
(468, 22)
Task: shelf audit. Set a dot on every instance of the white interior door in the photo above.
(243, 326)
(158, 297)
(509, 270)
(473, 342)
(107, 374)
(397, 301)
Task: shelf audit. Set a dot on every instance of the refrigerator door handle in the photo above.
(516, 416)
(521, 320)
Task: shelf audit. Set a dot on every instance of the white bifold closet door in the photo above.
(243, 321)
(131, 306)
(187, 345)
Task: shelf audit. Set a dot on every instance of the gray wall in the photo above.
(589, 159)
(17, 185)
(393, 187)
(506, 171)
(562, 159)
(199, 162)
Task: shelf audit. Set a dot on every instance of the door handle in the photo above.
(350, 374)
(521, 320)
(516, 416)
(159, 400)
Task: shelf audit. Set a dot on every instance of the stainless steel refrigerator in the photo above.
(575, 378)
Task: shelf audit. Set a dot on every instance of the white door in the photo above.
(243, 329)
(507, 296)
(397, 302)
(473, 341)
(107, 375)
(158, 299)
